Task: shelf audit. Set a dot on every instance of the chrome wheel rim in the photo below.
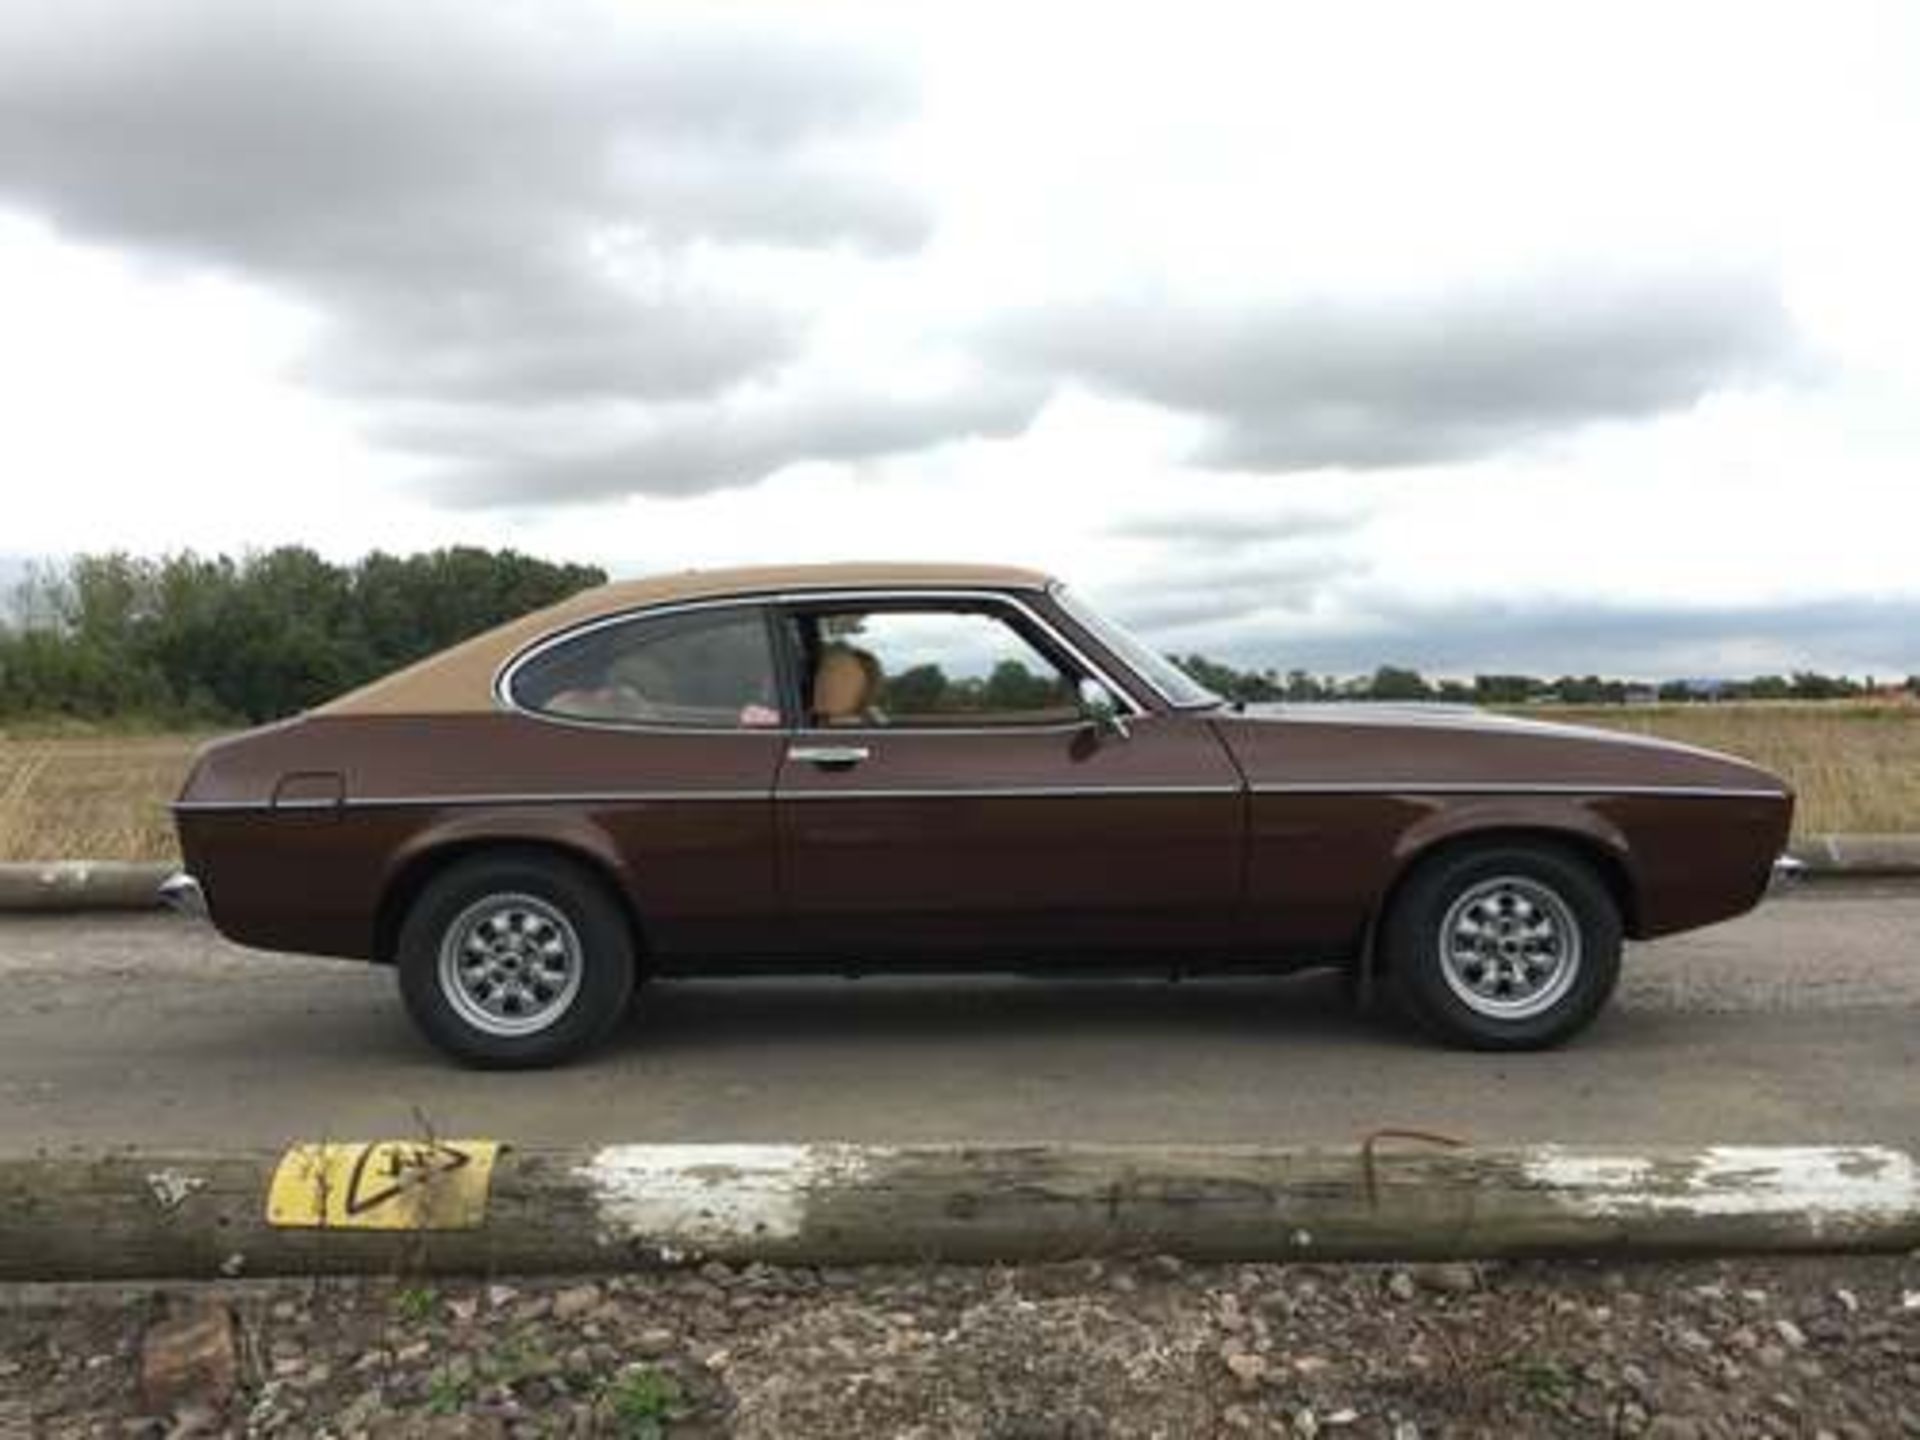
(510, 965)
(1509, 948)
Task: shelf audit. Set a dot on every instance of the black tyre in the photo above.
(515, 959)
(1503, 947)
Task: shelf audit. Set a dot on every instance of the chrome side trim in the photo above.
(1496, 787)
(640, 797)
(532, 797)
(503, 678)
(620, 797)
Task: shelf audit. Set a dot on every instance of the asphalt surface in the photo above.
(1797, 1024)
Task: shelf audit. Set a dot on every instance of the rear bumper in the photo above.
(182, 893)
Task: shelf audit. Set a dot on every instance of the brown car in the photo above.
(873, 768)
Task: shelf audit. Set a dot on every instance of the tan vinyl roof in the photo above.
(461, 678)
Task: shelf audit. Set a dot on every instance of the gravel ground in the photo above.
(1149, 1347)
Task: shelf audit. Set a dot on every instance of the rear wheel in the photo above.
(1503, 947)
(515, 959)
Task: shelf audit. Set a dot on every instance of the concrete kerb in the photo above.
(83, 885)
(470, 1207)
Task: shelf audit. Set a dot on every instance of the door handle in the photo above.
(828, 755)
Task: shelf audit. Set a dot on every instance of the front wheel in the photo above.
(514, 960)
(1503, 947)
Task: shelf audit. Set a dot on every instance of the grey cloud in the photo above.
(310, 136)
(483, 204)
(1557, 637)
(561, 342)
(1205, 586)
(1235, 529)
(687, 450)
(1313, 383)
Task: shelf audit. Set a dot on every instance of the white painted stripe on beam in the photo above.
(685, 1199)
(703, 1195)
(1824, 1184)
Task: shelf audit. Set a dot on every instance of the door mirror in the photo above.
(1101, 710)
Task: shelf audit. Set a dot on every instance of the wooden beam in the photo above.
(640, 1206)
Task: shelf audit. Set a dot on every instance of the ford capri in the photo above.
(860, 769)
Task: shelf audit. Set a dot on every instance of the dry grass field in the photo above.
(92, 797)
(1856, 768)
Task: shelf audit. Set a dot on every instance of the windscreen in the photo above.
(1174, 684)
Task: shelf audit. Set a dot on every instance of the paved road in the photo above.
(1798, 1023)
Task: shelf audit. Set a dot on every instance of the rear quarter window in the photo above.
(711, 669)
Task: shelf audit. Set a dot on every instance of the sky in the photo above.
(1473, 337)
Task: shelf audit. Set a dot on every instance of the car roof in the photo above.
(460, 678)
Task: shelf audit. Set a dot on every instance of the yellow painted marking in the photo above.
(383, 1185)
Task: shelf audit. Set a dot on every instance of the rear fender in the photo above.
(466, 832)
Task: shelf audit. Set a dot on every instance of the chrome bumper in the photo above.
(182, 893)
(1787, 872)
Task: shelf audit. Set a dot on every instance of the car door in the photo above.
(663, 733)
(958, 806)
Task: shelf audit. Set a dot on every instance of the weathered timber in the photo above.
(81, 884)
(127, 1216)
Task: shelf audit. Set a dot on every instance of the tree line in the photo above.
(1393, 682)
(194, 639)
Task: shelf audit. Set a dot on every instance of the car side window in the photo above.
(927, 668)
(708, 668)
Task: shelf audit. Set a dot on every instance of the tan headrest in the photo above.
(842, 685)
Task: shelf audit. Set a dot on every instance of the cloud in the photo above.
(502, 207)
(1214, 589)
(689, 450)
(1353, 632)
(1234, 529)
(1451, 374)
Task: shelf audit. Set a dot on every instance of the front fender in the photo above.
(1575, 820)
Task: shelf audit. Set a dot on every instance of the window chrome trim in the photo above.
(504, 677)
(1004, 792)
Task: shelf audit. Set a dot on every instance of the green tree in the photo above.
(1013, 687)
(1505, 689)
(1252, 686)
(214, 638)
(918, 690)
(1392, 682)
(1302, 686)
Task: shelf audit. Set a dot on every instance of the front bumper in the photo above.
(182, 893)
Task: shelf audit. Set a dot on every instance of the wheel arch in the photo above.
(1610, 861)
(419, 867)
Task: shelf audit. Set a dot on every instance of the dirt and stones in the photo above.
(1801, 1348)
